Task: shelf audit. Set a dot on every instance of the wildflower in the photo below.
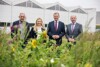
(13, 49)
(62, 65)
(88, 65)
(52, 60)
(34, 43)
(78, 65)
(44, 34)
(41, 59)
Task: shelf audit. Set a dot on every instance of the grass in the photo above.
(97, 26)
(86, 53)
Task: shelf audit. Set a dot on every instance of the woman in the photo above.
(37, 29)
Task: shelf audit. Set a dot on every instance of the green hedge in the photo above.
(97, 26)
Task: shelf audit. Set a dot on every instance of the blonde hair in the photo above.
(35, 26)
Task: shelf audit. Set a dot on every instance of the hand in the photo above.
(57, 36)
(71, 40)
(54, 37)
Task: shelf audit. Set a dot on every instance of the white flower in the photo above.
(41, 59)
(52, 60)
(62, 65)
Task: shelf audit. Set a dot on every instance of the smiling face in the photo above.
(73, 19)
(56, 16)
(39, 22)
(22, 17)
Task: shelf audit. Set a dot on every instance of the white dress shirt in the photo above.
(73, 26)
(39, 31)
(22, 29)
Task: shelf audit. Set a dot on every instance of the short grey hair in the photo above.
(56, 13)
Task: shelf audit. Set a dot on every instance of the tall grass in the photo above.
(86, 53)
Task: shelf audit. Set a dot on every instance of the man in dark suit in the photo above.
(56, 29)
(20, 26)
(73, 30)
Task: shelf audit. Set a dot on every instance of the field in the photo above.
(86, 53)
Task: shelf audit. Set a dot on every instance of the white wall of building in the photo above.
(92, 15)
(31, 13)
(5, 13)
(8, 15)
(49, 16)
(81, 18)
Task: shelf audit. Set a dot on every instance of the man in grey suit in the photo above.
(73, 30)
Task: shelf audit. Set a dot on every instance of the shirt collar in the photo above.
(74, 23)
(57, 21)
(20, 22)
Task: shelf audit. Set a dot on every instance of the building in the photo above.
(98, 18)
(10, 10)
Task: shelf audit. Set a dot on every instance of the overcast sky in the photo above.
(69, 3)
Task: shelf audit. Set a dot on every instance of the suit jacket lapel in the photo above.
(70, 28)
(75, 27)
(53, 25)
(58, 26)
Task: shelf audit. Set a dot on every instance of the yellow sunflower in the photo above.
(88, 65)
(34, 43)
(44, 34)
(13, 49)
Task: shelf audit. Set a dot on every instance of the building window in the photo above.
(57, 7)
(21, 4)
(28, 4)
(78, 11)
(3, 3)
(46, 25)
(35, 6)
(2, 24)
(31, 24)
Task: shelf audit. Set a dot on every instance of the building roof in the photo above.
(51, 6)
(5, 2)
(48, 5)
(23, 1)
(77, 9)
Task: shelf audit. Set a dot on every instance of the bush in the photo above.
(97, 26)
(86, 53)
